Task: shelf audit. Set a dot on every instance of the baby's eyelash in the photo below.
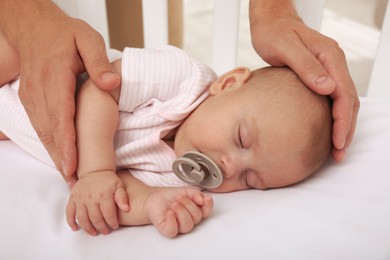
(240, 138)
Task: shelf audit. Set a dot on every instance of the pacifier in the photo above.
(197, 169)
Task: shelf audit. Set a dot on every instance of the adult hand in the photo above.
(52, 52)
(281, 38)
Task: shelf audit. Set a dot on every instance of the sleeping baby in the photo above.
(259, 129)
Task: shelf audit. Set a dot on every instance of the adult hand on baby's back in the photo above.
(281, 38)
(53, 50)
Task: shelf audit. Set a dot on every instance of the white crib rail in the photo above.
(155, 22)
(379, 87)
(225, 35)
(225, 26)
(311, 12)
(94, 12)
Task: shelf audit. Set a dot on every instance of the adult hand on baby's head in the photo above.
(281, 38)
(53, 49)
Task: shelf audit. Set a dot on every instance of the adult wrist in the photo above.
(269, 9)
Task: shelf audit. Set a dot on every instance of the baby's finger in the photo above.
(97, 219)
(122, 199)
(71, 216)
(208, 205)
(169, 227)
(84, 221)
(193, 209)
(184, 219)
(108, 209)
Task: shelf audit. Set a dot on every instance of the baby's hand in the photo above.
(177, 210)
(93, 201)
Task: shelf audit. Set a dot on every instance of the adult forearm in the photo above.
(259, 8)
(268, 5)
(18, 17)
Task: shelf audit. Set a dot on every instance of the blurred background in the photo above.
(354, 24)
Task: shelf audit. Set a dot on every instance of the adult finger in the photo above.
(345, 110)
(38, 115)
(308, 67)
(345, 101)
(61, 106)
(92, 50)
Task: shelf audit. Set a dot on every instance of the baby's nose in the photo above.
(230, 166)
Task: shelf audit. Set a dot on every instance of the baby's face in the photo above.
(253, 149)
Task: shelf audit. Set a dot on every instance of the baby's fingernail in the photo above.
(325, 83)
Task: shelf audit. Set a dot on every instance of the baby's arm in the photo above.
(171, 210)
(9, 61)
(99, 190)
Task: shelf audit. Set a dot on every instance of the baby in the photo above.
(263, 129)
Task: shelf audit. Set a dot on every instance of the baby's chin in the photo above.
(181, 152)
(181, 148)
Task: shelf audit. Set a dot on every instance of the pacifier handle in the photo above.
(197, 169)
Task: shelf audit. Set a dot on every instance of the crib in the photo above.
(342, 212)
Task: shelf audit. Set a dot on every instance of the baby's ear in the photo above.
(233, 79)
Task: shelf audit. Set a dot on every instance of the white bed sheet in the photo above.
(343, 212)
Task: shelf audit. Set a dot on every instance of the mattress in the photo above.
(342, 212)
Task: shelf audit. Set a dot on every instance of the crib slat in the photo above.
(379, 87)
(311, 12)
(94, 12)
(155, 22)
(225, 35)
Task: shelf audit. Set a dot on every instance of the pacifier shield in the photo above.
(197, 169)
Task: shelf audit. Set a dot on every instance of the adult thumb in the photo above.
(94, 55)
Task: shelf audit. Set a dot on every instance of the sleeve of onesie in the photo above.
(151, 77)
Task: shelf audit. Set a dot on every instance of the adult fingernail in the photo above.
(341, 158)
(64, 169)
(108, 76)
(70, 185)
(325, 83)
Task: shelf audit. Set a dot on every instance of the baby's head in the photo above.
(264, 129)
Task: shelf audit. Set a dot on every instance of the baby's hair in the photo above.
(312, 112)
